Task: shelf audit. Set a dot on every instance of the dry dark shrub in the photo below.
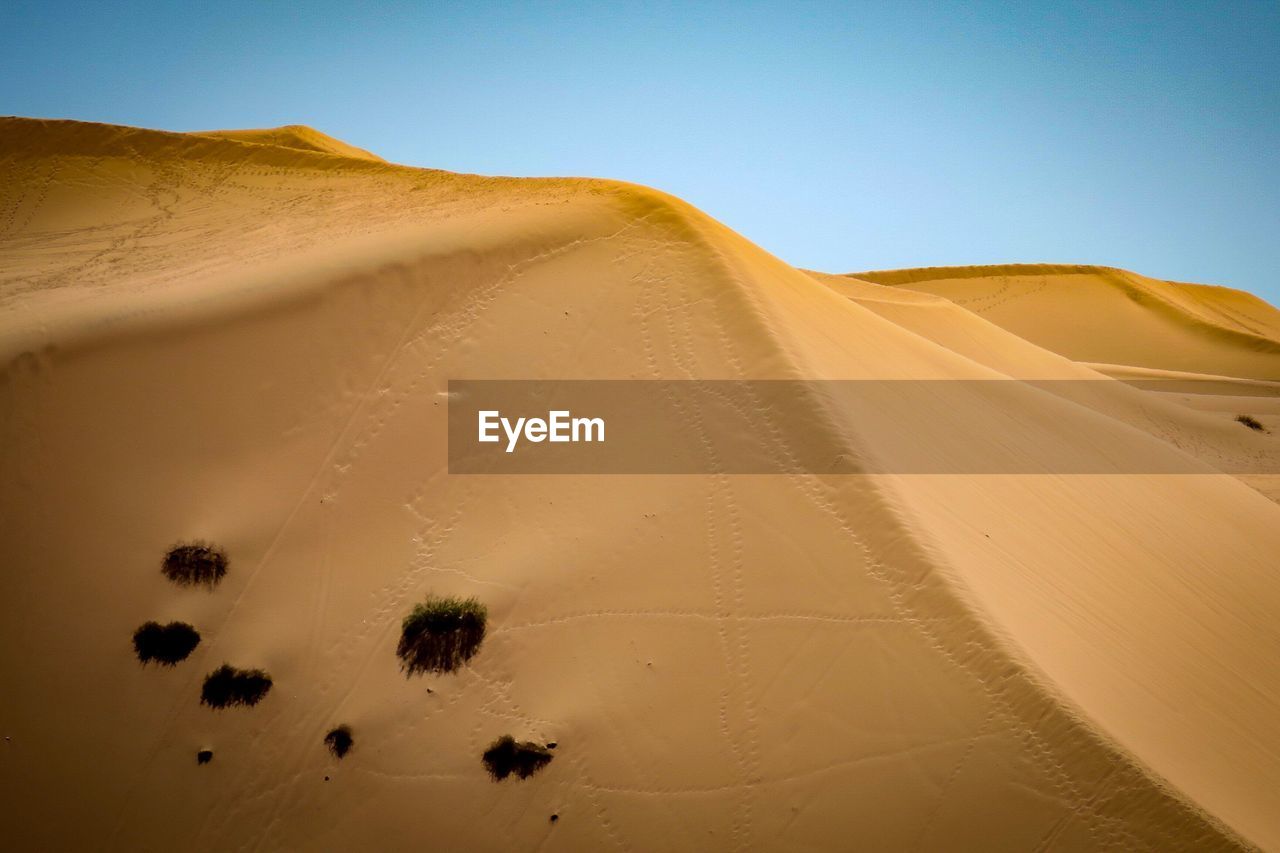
(204, 756)
(339, 741)
(441, 634)
(1251, 422)
(194, 564)
(165, 644)
(227, 686)
(505, 756)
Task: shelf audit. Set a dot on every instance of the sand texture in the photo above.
(246, 337)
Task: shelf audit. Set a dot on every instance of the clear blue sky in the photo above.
(839, 136)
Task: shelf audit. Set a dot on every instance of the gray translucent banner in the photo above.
(840, 427)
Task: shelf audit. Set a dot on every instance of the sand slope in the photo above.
(1203, 354)
(1100, 314)
(1193, 411)
(246, 342)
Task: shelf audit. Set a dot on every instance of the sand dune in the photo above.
(247, 338)
(1099, 314)
(294, 136)
(1193, 411)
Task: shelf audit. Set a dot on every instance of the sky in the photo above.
(838, 136)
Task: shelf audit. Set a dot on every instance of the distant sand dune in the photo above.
(1100, 314)
(246, 338)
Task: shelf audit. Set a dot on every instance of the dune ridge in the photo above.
(1076, 310)
(772, 663)
(294, 136)
(1203, 304)
(28, 138)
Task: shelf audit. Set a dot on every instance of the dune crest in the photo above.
(222, 339)
(1107, 315)
(296, 136)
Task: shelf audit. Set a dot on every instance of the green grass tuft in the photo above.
(165, 644)
(441, 634)
(1251, 422)
(339, 741)
(227, 686)
(195, 564)
(505, 756)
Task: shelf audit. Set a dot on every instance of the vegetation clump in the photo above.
(195, 564)
(165, 644)
(227, 686)
(441, 634)
(339, 741)
(505, 756)
(1251, 422)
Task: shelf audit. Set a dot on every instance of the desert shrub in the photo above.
(1251, 422)
(227, 686)
(505, 756)
(165, 644)
(204, 756)
(195, 563)
(441, 634)
(339, 740)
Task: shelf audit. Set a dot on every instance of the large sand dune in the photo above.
(247, 338)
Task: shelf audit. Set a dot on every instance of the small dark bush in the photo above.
(227, 686)
(165, 644)
(441, 634)
(196, 563)
(339, 740)
(204, 756)
(504, 757)
(1251, 422)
